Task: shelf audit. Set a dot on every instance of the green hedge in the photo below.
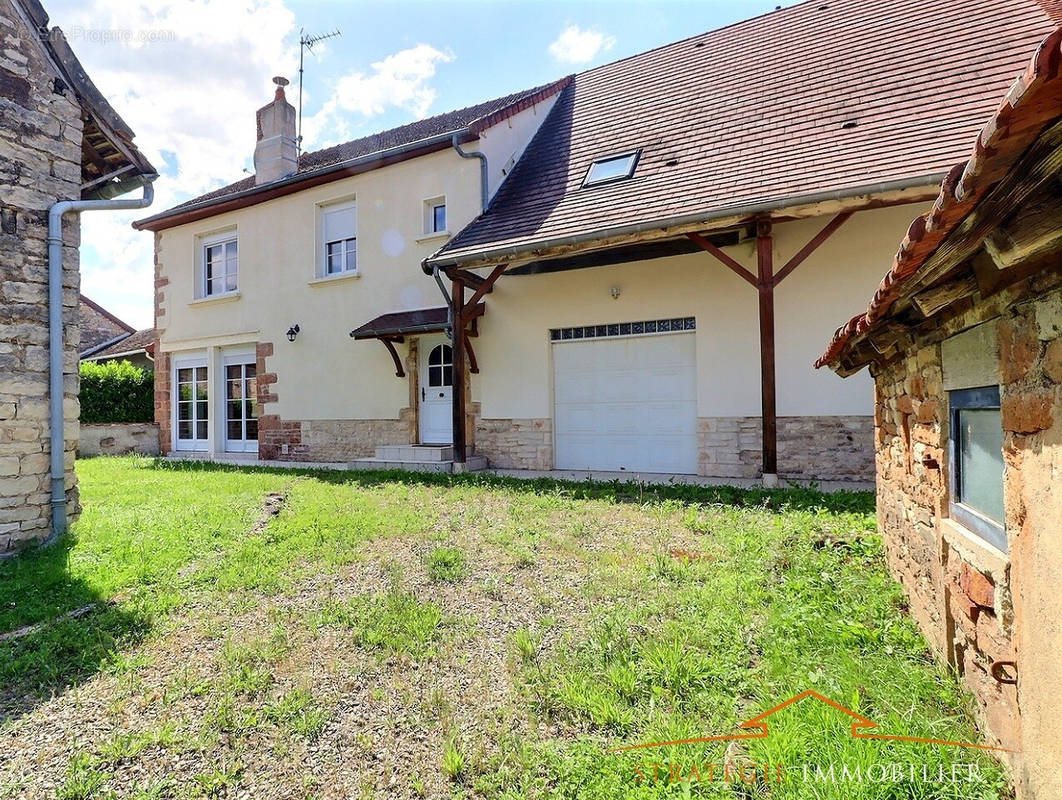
(116, 391)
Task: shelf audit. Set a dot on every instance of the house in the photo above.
(105, 337)
(609, 249)
(963, 339)
(59, 140)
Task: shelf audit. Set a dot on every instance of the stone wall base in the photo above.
(119, 439)
(330, 439)
(515, 443)
(813, 448)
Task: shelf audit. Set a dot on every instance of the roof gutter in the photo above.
(513, 252)
(55, 326)
(439, 141)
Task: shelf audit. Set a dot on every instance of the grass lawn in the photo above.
(272, 634)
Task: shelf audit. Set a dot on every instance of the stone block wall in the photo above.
(40, 163)
(991, 615)
(119, 439)
(329, 440)
(813, 448)
(515, 443)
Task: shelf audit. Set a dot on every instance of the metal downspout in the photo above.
(483, 186)
(55, 330)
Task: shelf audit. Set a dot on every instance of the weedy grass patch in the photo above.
(460, 636)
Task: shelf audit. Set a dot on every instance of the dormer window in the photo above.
(613, 168)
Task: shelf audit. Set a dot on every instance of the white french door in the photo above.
(192, 412)
(241, 405)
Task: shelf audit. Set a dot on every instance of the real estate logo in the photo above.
(757, 727)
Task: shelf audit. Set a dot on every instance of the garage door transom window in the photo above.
(671, 325)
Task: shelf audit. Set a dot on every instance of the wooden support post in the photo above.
(457, 391)
(768, 407)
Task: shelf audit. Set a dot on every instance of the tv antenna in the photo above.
(306, 43)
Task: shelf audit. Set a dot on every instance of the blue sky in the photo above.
(187, 75)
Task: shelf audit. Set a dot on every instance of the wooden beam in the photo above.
(930, 301)
(768, 403)
(710, 248)
(486, 286)
(805, 251)
(473, 365)
(389, 343)
(457, 391)
(470, 279)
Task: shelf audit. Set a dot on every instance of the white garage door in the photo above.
(626, 404)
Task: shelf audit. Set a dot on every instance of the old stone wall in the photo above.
(993, 615)
(40, 163)
(119, 439)
(815, 448)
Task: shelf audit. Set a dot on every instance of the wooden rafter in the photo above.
(486, 286)
(473, 365)
(813, 245)
(723, 257)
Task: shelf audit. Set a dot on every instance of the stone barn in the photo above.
(964, 341)
(63, 150)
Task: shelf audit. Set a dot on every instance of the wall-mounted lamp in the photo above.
(293, 331)
(615, 292)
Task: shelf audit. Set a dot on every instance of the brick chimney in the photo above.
(276, 153)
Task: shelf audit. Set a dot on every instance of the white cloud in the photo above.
(187, 77)
(401, 80)
(577, 45)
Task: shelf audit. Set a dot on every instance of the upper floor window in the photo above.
(220, 265)
(977, 463)
(612, 168)
(339, 239)
(435, 215)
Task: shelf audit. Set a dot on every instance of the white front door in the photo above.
(626, 403)
(241, 405)
(191, 395)
(436, 387)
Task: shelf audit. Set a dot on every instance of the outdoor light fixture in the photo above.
(293, 331)
(615, 292)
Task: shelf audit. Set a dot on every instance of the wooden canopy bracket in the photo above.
(813, 245)
(706, 245)
(473, 365)
(486, 286)
(389, 342)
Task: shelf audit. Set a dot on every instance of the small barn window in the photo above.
(613, 168)
(977, 463)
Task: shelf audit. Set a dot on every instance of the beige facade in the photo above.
(325, 397)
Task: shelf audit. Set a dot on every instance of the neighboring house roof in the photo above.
(142, 341)
(1033, 103)
(824, 99)
(98, 327)
(359, 155)
(107, 141)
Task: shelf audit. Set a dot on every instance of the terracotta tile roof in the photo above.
(476, 117)
(421, 320)
(1033, 103)
(133, 343)
(824, 96)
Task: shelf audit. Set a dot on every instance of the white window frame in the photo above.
(195, 444)
(348, 267)
(430, 205)
(633, 156)
(213, 240)
(230, 358)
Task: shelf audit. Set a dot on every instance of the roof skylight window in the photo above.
(613, 168)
